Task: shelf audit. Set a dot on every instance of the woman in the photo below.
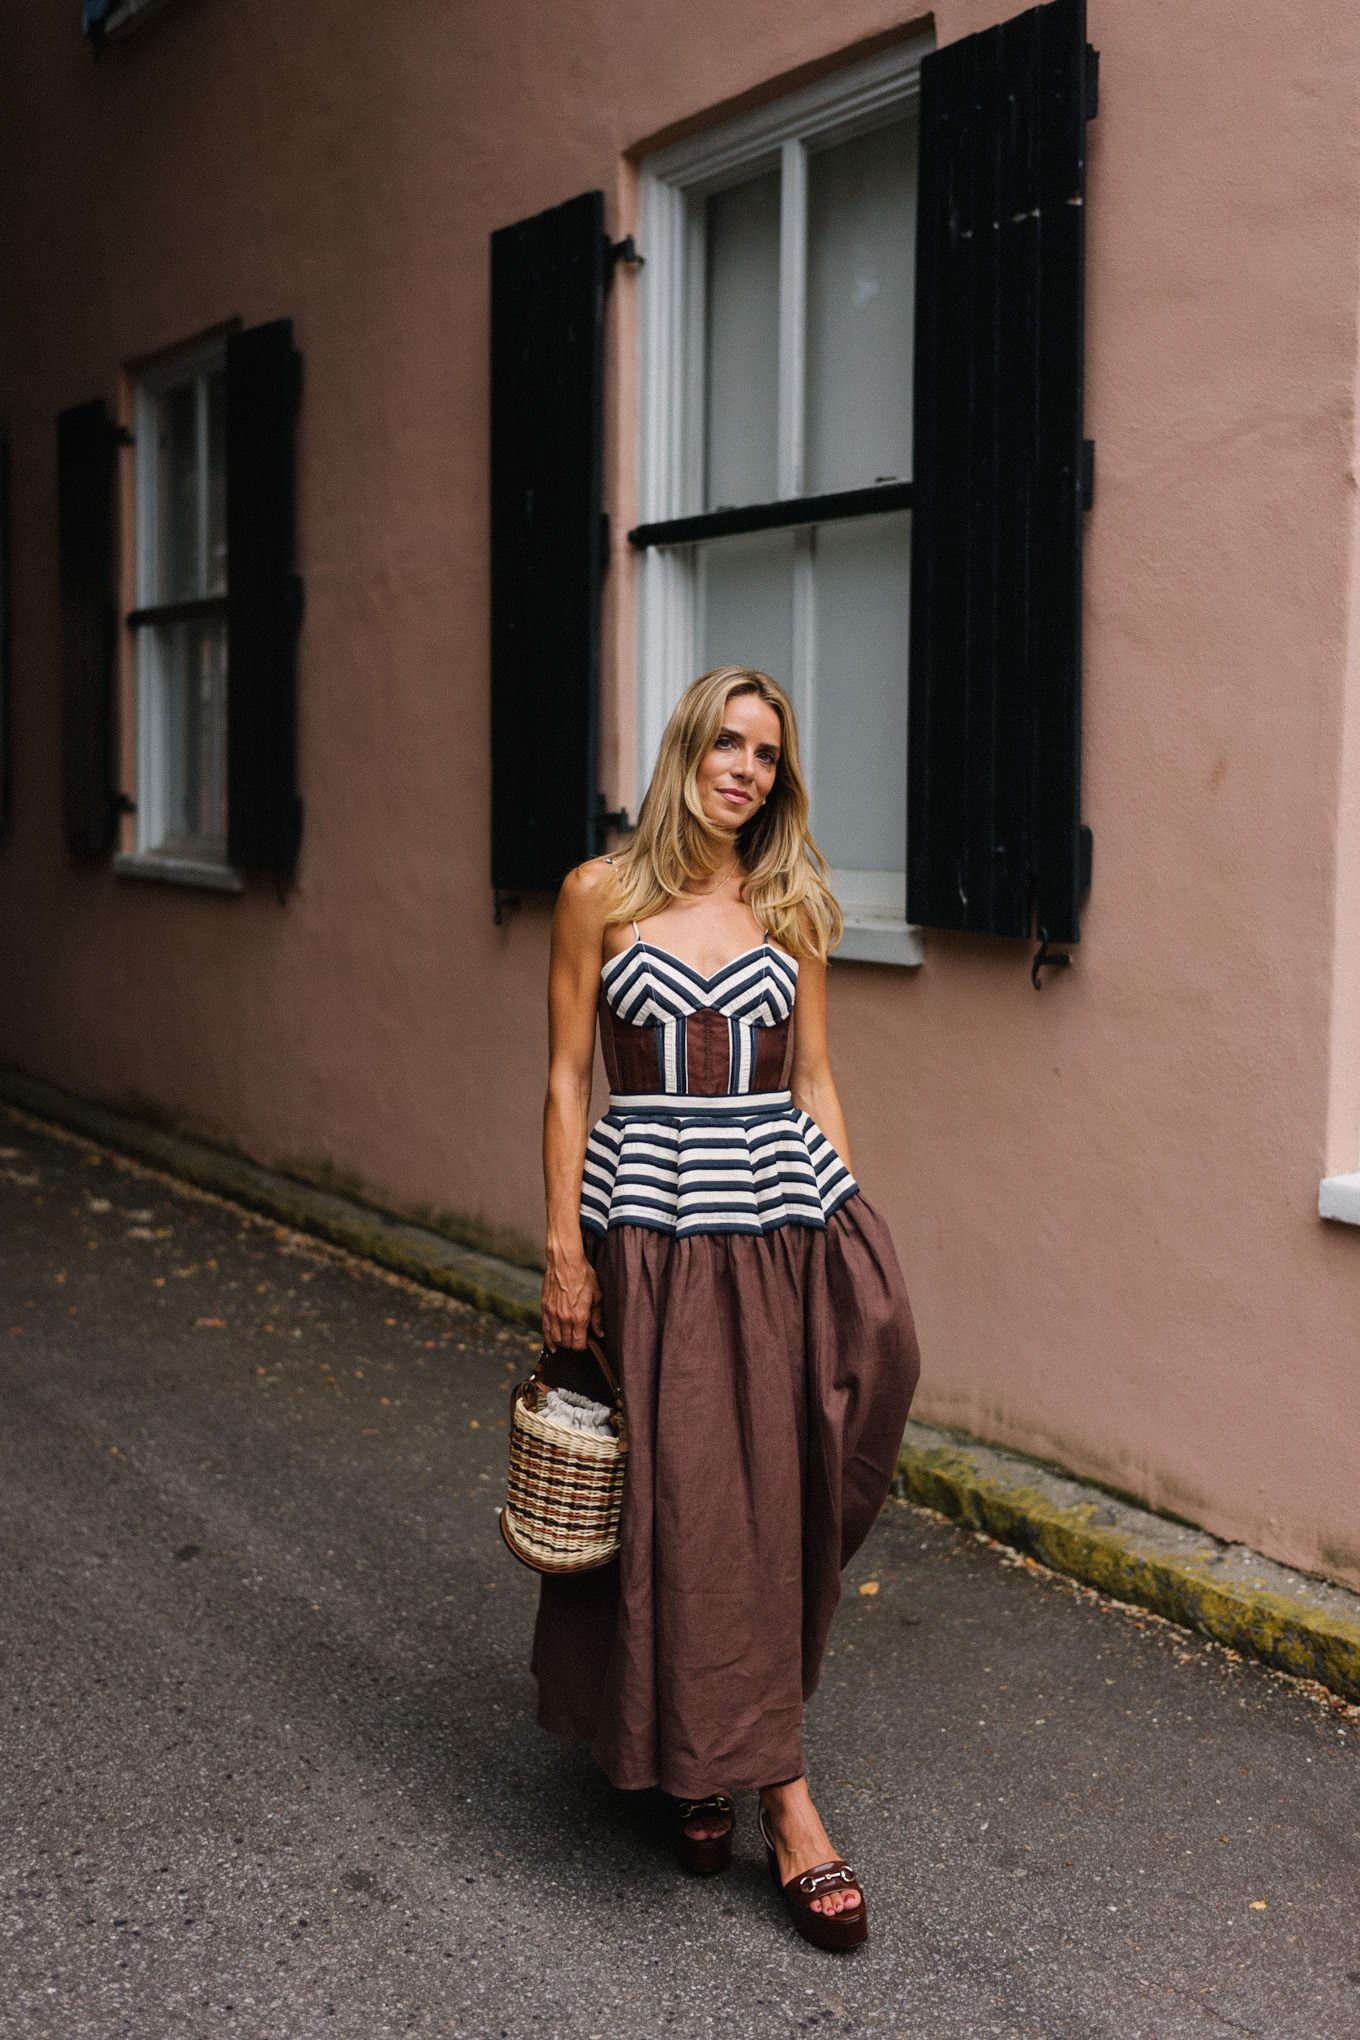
(710, 1230)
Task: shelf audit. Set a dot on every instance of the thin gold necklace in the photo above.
(708, 894)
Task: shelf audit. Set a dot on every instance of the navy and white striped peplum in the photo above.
(702, 1134)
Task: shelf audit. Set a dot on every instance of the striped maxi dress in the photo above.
(757, 1317)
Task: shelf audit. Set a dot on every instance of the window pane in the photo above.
(746, 603)
(217, 483)
(191, 726)
(742, 353)
(860, 303)
(177, 495)
(859, 738)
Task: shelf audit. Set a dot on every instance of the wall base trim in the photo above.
(1298, 1623)
(482, 1279)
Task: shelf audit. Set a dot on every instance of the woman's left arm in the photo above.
(813, 1086)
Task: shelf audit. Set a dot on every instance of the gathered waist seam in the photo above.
(680, 1105)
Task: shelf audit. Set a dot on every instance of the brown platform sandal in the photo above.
(845, 1929)
(713, 1852)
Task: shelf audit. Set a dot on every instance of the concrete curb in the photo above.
(1299, 1624)
(508, 1291)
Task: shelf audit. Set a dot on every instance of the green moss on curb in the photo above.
(1290, 1635)
(500, 1287)
(1296, 1638)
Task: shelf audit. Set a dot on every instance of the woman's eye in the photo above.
(724, 742)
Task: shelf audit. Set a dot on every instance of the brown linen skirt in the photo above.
(766, 1382)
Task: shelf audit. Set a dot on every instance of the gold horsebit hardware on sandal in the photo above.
(686, 1809)
(812, 1881)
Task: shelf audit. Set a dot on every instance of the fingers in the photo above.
(571, 1311)
(563, 1331)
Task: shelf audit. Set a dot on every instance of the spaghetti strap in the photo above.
(637, 932)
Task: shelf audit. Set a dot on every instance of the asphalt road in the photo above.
(270, 1765)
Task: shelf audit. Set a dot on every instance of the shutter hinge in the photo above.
(1043, 960)
(1088, 473)
(124, 804)
(1092, 82)
(622, 251)
(501, 902)
(611, 818)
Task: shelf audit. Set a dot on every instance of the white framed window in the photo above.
(777, 311)
(181, 621)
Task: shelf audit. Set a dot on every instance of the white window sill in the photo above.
(881, 941)
(1339, 1198)
(877, 930)
(178, 871)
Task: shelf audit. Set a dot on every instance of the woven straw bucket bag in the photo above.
(565, 1491)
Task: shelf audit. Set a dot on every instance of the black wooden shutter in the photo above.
(264, 600)
(6, 639)
(548, 278)
(86, 453)
(994, 800)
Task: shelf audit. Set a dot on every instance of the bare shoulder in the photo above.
(595, 879)
(585, 898)
(811, 970)
(806, 950)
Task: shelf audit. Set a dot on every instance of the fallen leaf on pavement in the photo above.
(869, 1587)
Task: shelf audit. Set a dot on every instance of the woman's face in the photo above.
(738, 770)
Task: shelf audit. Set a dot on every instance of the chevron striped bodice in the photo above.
(702, 1134)
(665, 1027)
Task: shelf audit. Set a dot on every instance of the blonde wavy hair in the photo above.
(785, 885)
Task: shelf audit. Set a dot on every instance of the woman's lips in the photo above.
(737, 798)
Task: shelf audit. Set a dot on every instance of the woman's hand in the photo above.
(571, 1302)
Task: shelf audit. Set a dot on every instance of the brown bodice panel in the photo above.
(708, 1054)
(774, 1057)
(632, 1064)
(629, 1052)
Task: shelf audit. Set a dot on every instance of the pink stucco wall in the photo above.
(1105, 1196)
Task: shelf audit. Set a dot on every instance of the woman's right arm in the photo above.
(571, 1295)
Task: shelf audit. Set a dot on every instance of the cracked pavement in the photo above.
(270, 1765)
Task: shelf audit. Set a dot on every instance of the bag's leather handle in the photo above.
(597, 1354)
(601, 1359)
